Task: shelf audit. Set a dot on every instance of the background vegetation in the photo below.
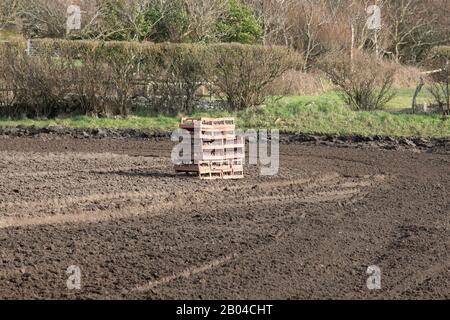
(105, 78)
(161, 58)
(322, 114)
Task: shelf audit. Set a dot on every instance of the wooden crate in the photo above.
(217, 153)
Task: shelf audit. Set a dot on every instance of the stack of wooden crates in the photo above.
(217, 152)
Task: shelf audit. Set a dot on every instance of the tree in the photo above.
(238, 24)
(169, 20)
(410, 31)
(43, 18)
(313, 18)
(274, 17)
(203, 15)
(119, 20)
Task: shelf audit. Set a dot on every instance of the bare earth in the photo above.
(115, 209)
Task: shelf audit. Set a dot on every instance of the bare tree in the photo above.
(313, 17)
(274, 17)
(43, 18)
(203, 15)
(117, 20)
(8, 12)
(409, 30)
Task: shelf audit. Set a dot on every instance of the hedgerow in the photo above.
(104, 78)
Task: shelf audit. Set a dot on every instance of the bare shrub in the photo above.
(55, 80)
(294, 82)
(365, 84)
(243, 73)
(38, 83)
(176, 73)
(440, 86)
(404, 76)
(315, 82)
(7, 98)
(90, 87)
(441, 93)
(123, 62)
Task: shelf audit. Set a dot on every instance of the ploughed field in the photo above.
(115, 209)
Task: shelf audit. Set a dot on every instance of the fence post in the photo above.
(29, 47)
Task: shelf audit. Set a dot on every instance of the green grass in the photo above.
(76, 62)
(137, 122)
(403, 98)
(324, 114)
(298, 114)
(6, 35)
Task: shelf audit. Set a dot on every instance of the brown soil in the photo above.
(116, 209)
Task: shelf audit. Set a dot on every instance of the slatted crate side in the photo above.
(218, 122)
(208, 123)
(211, 136)
(221, 175)
(208, 135)
(216, 165)
(211, 175)
(218, 155)
(233, 175)
(224, 150)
